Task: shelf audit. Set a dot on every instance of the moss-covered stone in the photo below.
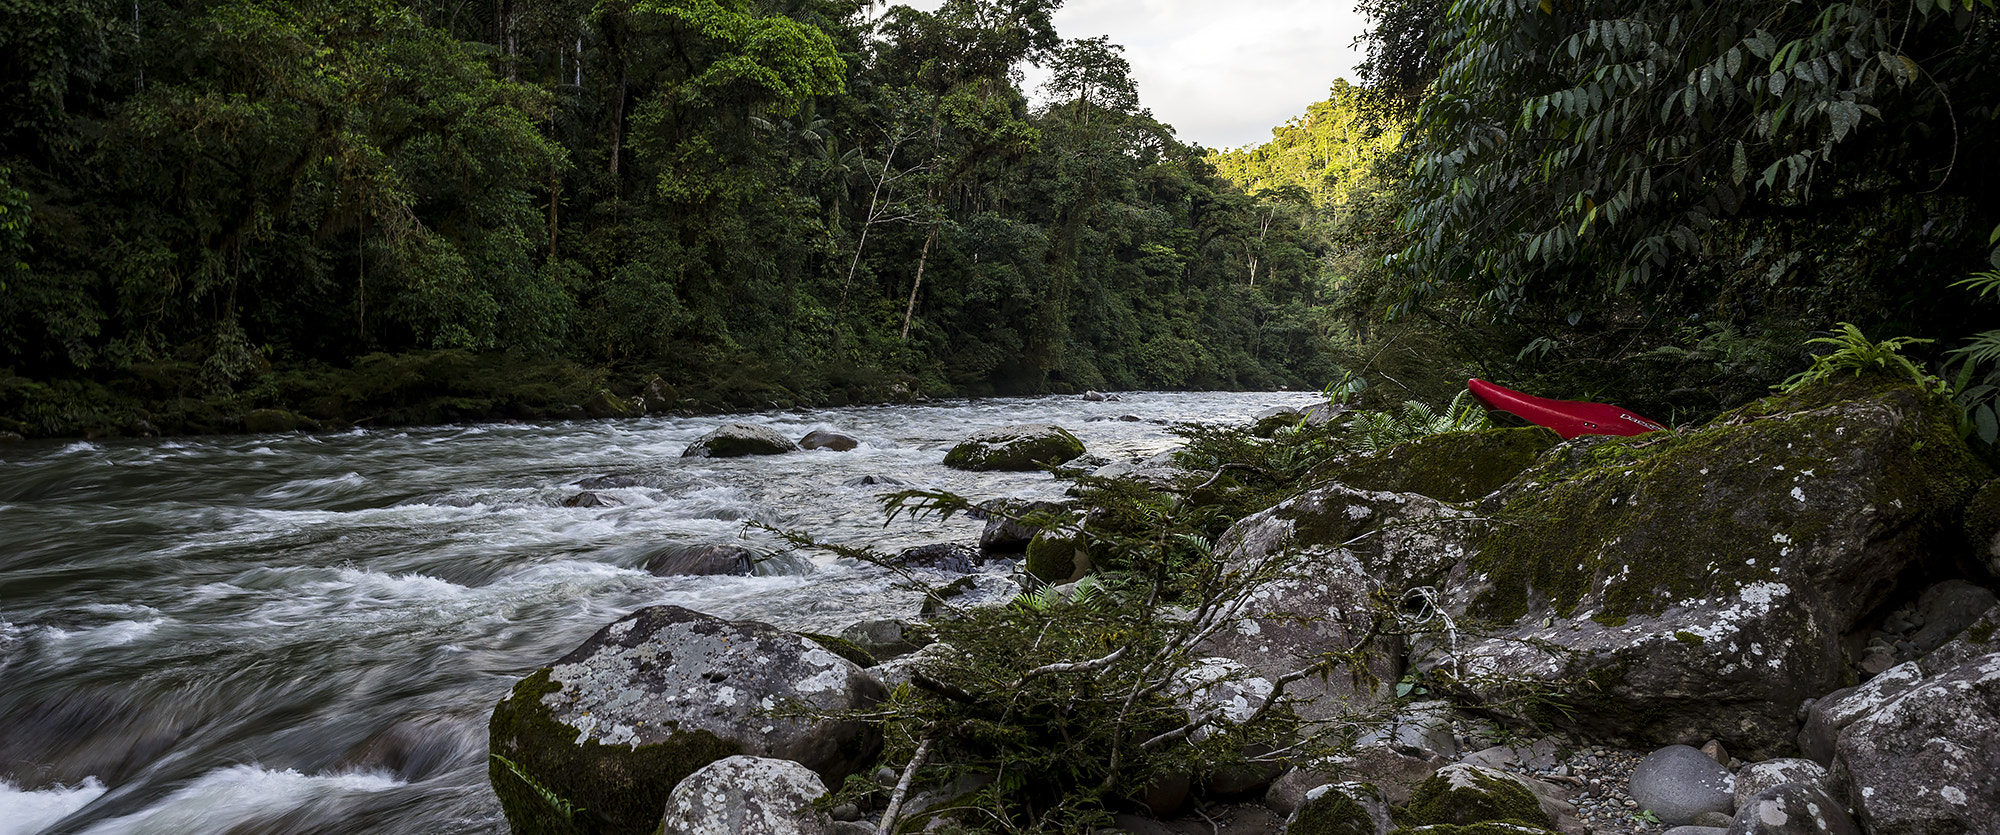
(603, 404)
(1451, 467)
(842, 647)
(1015, 448)
(735, 440)
(1331, 812)
(1056, 559)
(264, 421)
(1643, 521)
(549, 783)
(1461, 795)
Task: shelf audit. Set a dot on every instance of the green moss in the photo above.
(604, 789)
(1613, 621)
(1332, 813)
(1982, 516)
(1689, 638)
(1612, 515)
(1451, 467)
(1980, 634)
(1024, 454)
(1491, 799)
(1054, 559)
(842, 647)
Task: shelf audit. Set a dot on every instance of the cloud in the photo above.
(1222, 74)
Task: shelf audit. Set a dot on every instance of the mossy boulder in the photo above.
(1055, 558)
(735, 440)
(1463, 794)
(1451, 467)
(1673, 588)
(1341, 809)
(1982, 527)
(603, 404)
(266, 421)
(1024, 447)
(1325, 561)
(595, 742)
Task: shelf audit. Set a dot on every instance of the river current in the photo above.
(305, 633)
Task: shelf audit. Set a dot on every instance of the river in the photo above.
(202, 635)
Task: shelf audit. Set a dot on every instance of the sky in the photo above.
(1222, 73)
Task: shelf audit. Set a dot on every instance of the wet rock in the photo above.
(1809, 506)
(1339, 548)
(1015, 448)
(266, 421)
(1928, 759)
(702, 560)
(1792, 809)
(1757, 777)
(1010, 525)
(415, 747)
(822, 439)
(603, 404)
(1678, 782)
(886, 639)
(590, 499)
(1349, 808)
(949, 557)
(10, 437)
(656, 396)
(733, 440)
(871, 480)
(613, 726)
(747, 796)
(613, 481)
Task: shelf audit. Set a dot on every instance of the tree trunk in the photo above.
(922, 258)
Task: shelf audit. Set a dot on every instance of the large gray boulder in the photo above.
(1679, 782)
(1674, 588)
(1927, 760)
(1319, 561)
(1792, 809)
(702, 560)
(746, 796)
(1029, 446)
(613, 726)
(734, 440)
(1756, 777)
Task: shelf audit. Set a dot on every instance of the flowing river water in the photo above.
(302, 633)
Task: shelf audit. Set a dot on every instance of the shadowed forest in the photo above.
(410, 210)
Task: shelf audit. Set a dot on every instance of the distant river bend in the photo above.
(203, 635)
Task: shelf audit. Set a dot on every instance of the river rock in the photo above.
(733, 440)
(1008, 526)
(1927, 760)
(1808, 507)
(610, 482)
(949, 557)
(874, 480)
(267, 421)
(746, 796)
(1159, 472)
(1347, 808)
(1327, 553)
(822, 439)
(1756, 777)
(1792, 809)
(1017, 448)
(613, 726)
(1679, 782)
(886, 639)
(1467, 794)
(656, 396)
(603, 404)
(589, 498)
(1393, 770)
(1232, 693)
(702, 560)
(415, 747)
(1832, 713)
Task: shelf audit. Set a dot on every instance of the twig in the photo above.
(895, 809)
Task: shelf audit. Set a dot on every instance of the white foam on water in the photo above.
(315, 487)
(28, 812)
(114, 634)
(221, 799)
(75, 447)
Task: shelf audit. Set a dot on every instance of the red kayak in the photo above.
(1569, 418)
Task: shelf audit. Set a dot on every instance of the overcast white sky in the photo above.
(1222, 72)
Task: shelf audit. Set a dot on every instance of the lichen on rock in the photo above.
(1449, 467)
(1015, 448)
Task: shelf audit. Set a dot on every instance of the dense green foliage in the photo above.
(761, 201)
(1661, 201)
